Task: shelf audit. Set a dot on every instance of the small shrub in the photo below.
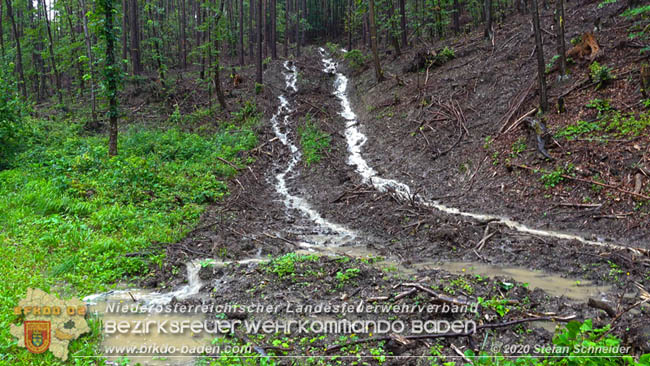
(356, 58)
(600, 74)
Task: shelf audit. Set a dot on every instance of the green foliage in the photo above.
(577, 344)
(639, 29)
(285, 266)
(551, 62)
(555, 177)
(11, 118)
(332, 48)
(344, 277)
(518, 147)
(601, 105)
(70, 213)
(258, 88)
(356, 58)
(601, 75)
(313, 141)
(445, 55)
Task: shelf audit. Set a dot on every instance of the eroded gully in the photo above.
(329, 238)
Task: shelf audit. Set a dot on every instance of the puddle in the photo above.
(553, 285)
(356, 139)
(155, 347)
(334, 234)
(152, 347)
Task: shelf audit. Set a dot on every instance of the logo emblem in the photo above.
(37, 335)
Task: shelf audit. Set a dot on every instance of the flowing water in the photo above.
(334, 234)
(321, 236)
(356, 139)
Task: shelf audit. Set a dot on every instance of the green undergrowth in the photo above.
(609, 123)
(70, 213)
(313, 141)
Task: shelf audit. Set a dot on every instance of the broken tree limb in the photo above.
(598, 304)
(519, 100)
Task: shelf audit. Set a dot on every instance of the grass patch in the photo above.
(313, 141)
(70, 212)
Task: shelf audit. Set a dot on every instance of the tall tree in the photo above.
(125, 33)
(489, 32)
(274, 51)
(2, 36)
(19, 53)
(106, 8)
(287, 26)
(135, 37)
(402, 10)
(559, 20)
(91, 62)
(217, 65)
(251, 32)
(298, 20)
(543, 100)
(241, 32)
(379, 75)
(183, 43)
(57, 76)
(392, 31)
(258, 77)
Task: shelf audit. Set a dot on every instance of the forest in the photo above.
(325, 182)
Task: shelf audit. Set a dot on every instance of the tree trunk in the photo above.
(274, 51)
(135, 37)
(2, 36)
(456, 16)
(89, 56)
(241, 32)
(125, 34)
(489, 32)
(52, 58)
(391, 29)
(379, 75)
(559, 18)
(297, 28)
(402, 10)
(77, 50)
(251, 31)
(217, 78)
(286, 28)
(183, 38)
(258, 77)
(349, 25)
(19, 53)
(543, 100)
(111, 76)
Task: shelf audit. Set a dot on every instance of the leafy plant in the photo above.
(356, 58)
(600, 74)
(285, 266)
(555, 177)
(11, 117)
(313, 141)
(345, 276)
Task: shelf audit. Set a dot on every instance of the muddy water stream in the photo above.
(356, 139)
(321, 237)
